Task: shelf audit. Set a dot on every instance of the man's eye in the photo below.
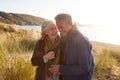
(60, 26)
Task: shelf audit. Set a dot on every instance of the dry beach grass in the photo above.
(16, 47)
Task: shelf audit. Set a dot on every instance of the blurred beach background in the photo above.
(20, 24)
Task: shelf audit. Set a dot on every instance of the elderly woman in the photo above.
(46, 52)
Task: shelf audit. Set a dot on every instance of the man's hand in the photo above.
(55, 69)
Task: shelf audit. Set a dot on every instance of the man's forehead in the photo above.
(60, 21)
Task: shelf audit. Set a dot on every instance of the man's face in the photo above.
(63, 27)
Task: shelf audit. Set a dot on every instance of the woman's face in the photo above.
(52, 32)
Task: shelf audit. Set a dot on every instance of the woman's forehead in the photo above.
(52, 26)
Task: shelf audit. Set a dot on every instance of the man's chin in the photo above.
(63, 35)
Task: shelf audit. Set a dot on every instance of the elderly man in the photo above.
(76, 61)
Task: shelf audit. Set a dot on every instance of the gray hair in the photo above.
(44, 27)
(67, 18)
(63, 16)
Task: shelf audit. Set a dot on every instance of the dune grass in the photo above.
(16, 68)
(15, 64)
(16, 50)
(15, 54)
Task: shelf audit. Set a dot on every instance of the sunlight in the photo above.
(104, 13)
(111, 35)
(101, 34)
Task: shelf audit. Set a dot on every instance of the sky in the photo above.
(95, 12)
(102, 13)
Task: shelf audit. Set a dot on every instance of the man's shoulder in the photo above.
(76, 34)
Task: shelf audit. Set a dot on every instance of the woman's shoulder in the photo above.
(39, 42)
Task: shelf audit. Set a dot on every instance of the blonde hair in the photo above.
(44, 28)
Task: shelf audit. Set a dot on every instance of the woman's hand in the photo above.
(50, 55)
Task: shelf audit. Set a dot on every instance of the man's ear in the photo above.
(71, 23)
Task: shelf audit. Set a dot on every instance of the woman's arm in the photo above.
(37, 57)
